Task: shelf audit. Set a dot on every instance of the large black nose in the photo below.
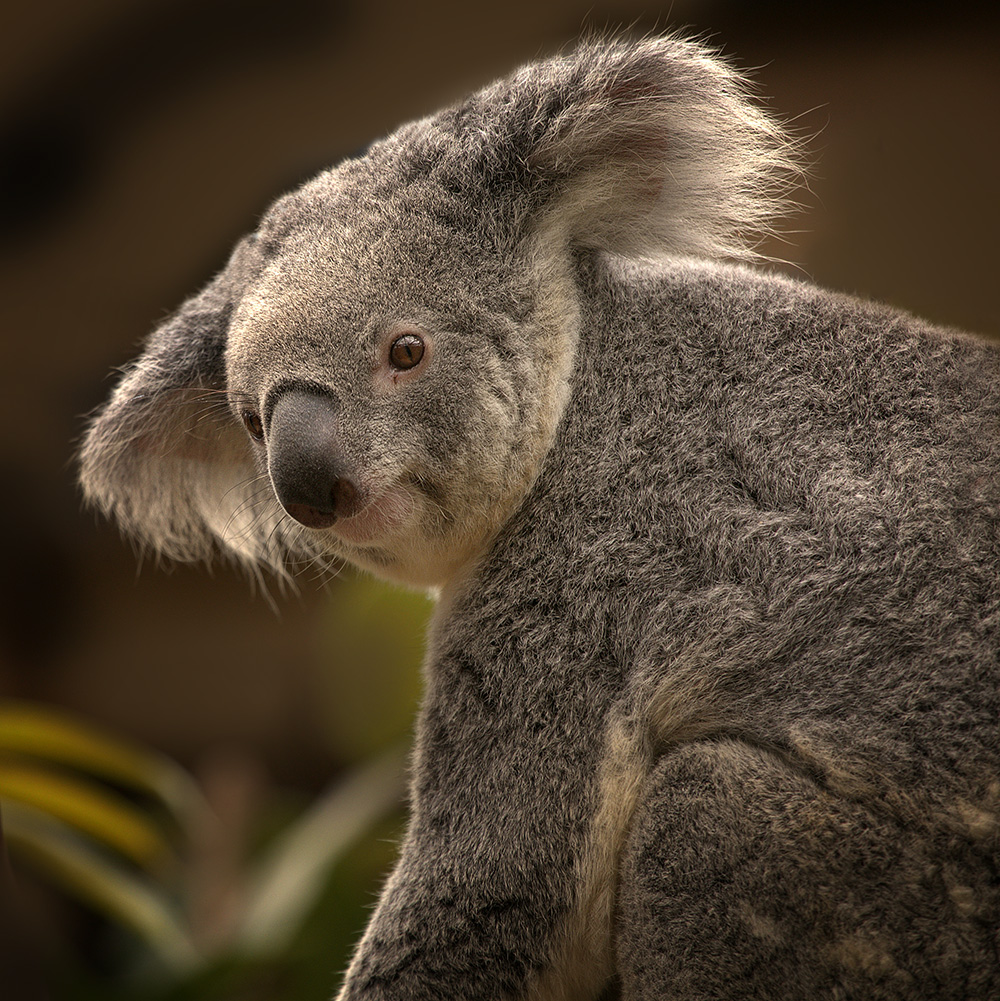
(307, 467)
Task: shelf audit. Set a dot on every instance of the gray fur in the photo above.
(712, 686)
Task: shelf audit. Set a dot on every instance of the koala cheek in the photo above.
(311, 478)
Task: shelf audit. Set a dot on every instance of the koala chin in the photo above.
(713, 684)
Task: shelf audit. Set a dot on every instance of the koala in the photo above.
(712, 685)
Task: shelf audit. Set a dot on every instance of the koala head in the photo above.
(378, 372)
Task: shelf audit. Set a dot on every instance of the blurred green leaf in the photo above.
(104, 883)
(98, 813)
(57, 736)
(289, 880)
(84, 808)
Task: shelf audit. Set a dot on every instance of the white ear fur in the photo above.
(161, 462)
(656, 149)
(166, 457)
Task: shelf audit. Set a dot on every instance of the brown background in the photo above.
(138, 140)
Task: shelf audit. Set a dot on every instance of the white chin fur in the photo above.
(379, 521)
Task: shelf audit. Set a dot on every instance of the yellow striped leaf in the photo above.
(58, 736)
(86, 806)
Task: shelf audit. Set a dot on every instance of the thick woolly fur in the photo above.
(713, 684)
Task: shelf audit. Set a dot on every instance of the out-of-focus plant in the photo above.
(71, 799)
(130, 834)
(112, 824)
(375, 634)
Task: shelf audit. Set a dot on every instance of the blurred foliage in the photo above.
(376, 633)
(230, 889)
(98, 815)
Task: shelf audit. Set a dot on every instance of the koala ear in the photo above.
(643, 149)
(165, 456)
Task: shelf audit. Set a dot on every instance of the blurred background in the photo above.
(200, 789)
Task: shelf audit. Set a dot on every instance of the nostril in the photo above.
(309, 516)
(343, 503)
(344, 496)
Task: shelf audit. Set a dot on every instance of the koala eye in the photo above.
(406, 351)
(253, 424)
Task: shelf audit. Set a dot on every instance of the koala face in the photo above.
(383, 373)
(389, 412)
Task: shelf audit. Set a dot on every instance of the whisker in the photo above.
(250, 502)
(245, 484)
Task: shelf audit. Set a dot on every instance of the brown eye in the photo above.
(406, 351)
(252, 422)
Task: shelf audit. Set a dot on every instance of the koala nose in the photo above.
(310, 476)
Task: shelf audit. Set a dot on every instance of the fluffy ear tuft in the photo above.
(165, 457)
(159, 460)
(646, 149)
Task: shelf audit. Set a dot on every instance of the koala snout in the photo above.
(311, 478)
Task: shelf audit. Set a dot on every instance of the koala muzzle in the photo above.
(310, 476)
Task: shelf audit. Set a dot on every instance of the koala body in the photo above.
(712, 692)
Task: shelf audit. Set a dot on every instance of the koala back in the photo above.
(792, 513)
